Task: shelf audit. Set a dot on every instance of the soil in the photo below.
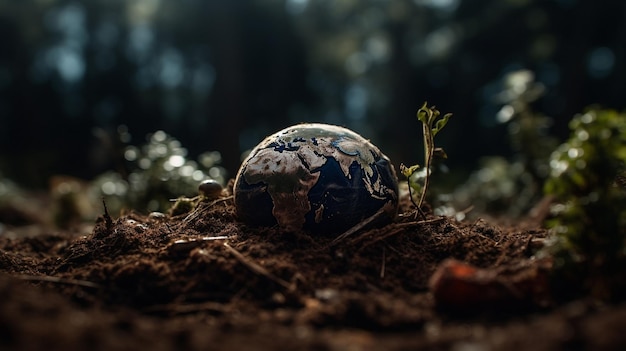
(203, 281)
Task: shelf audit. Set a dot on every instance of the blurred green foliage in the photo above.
(512, 185)
(589, 214)
(157, 176)
(221, 75)
(157, 173)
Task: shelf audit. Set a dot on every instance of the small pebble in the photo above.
(210, 189)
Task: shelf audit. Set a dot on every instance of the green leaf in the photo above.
(408, 171)
(422, 115)
(441, 123)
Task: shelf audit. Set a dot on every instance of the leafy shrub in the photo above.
(589, 211)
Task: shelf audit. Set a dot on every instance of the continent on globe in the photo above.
(315, 177)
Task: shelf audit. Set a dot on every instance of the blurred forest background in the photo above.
(223, 74)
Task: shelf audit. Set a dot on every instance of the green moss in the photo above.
(183, 205)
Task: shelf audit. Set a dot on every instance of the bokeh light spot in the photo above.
(296, 7)
(601, 62)
(176, 161)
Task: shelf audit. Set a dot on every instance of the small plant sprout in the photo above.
(432, 123)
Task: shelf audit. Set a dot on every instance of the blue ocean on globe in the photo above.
(315, 177)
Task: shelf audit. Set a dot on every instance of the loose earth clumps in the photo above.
(204, 280)
(317, 177)
(200, 278)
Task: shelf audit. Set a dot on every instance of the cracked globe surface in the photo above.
(315, 177)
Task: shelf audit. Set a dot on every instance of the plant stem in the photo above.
(428, 155)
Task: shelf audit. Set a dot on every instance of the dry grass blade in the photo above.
(361, 224)
(426, 221)
(193, 216)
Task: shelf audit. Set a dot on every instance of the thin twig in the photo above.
(383, 237)
(58, 280)
(218, 237)
(382, 266)
(195, 213)
(427, 221)
(361, 224)
(220, 200)
(398, 229)
(107, 218)
(419, 210)
(256, 268)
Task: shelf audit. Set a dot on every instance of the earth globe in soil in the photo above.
(315, 177)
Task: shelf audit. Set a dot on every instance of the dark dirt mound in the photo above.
(204, 280)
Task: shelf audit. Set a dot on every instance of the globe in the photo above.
(315, 177)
